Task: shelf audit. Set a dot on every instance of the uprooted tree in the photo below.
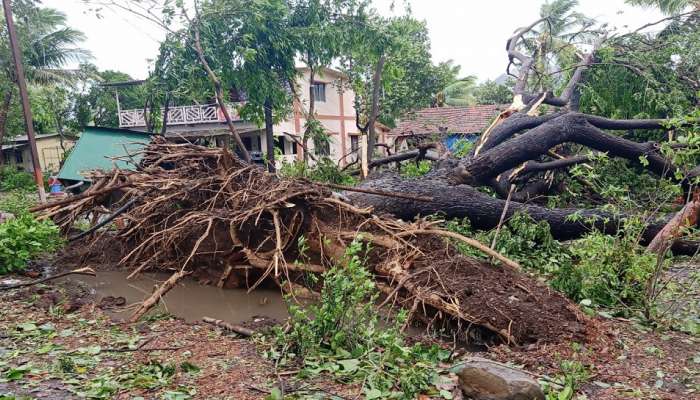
(194, 210)
(540, 135)
(202, 211)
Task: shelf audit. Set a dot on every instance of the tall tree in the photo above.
(552, 43)
(460, 93)
(390, 69)
(492, 92)
(47, 44)
(97, 105)
(315, 24)
(254, 50)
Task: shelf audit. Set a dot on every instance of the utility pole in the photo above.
(19, 74)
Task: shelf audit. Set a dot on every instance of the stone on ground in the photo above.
(482, 379)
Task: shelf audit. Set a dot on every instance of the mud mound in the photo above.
(101, 254)
(188, 208)
(532, 311)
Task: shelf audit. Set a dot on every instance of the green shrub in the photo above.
(573, 375)
(522, 239)
(12, 179)
(324, 170)
(611, 271)
(22, 238)
(341, 334)
(16, 202)
(462, 148)
(413, 169)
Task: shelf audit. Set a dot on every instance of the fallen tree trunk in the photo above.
(686, 217)
(484, 211)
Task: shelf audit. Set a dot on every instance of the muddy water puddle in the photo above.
(189, 300)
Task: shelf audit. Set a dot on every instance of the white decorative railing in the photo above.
(180, 115)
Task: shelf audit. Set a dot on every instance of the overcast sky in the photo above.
(470, 32)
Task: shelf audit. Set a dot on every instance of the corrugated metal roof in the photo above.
(24, 138)
(12, 146)
(95, 147)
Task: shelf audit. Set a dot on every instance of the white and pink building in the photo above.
(334, 108)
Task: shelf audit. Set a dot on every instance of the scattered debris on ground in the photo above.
(53, 349)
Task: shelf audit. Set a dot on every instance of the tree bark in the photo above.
(512, 125)
(418, 154)
(484, 211)
(567, 128)
(4, 110)
(166, 108)
(269, 136)
(374, 111)
(312, 111)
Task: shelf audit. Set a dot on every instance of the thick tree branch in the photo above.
(625, 124)
(525, 61)
(374, 110)
(533, 166)
(575, 80)
(420, 153)
(514, 124)
(536, 142)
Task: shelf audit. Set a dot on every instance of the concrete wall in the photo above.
(336, 113)
(50, 154)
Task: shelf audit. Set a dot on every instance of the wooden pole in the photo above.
(19, 73)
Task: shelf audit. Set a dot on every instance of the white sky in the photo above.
(471, 32)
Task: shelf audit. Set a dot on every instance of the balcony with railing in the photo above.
(179, 115)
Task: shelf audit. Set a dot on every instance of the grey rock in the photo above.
(5, 217)
(482, 379)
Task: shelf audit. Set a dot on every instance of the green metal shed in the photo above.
(97, 146)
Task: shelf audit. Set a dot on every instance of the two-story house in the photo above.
(334, 105)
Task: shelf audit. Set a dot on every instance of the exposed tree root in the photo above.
(202, 208)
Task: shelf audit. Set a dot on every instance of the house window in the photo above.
(279, 143)
(18, 157)
(322, 147)
(319, 90)
(247, 143)
(354, 143)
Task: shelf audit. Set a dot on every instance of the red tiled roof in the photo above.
(472, 119)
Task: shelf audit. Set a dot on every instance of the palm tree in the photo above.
(47, 44)
(669, 7)
(459, 93)
(551, 42)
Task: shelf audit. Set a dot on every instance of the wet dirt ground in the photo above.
(50, 350)
(65, 341)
